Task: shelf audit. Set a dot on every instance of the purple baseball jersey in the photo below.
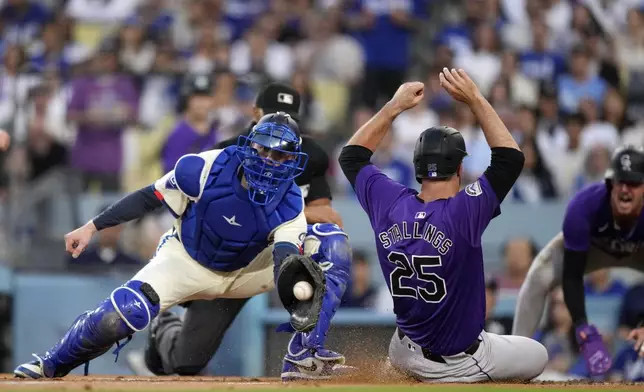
(431, 257)
(589, 221)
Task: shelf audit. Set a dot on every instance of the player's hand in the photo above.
(638, 336)
(407, 96)
(593, 349)
(459, 85)
(77, 240)
(5, 140)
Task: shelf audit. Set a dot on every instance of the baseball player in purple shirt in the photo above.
(429, 243)
(603, 227)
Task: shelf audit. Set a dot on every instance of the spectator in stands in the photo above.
(103, 104)
(136, 54)
(106, 252)
(361, 292)
(44, 152)
(160, 89)
(195, 131)
(535, 183)
(258, 52)
(51, 52)
(565, 157)
(580, 83)
(596, 163)
(540, 62)
(241, 14)
(501, 325)
(22, 20)
(14, 86)
(518, 253)
(333, 63)
(384, 29)
(155, 18)
(558, 335)
(483, 63)
(597, 131)
(102, 13)
(631, 311)
(523, 90)
(600, 284)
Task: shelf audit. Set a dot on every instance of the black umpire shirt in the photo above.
(312, 181)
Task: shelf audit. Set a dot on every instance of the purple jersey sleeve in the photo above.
(472, 209)
(580, 214)
(376, 192)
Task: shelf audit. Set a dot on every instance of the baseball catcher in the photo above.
(239, 216)
(185, 346)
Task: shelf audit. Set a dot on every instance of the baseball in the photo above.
(303, 290)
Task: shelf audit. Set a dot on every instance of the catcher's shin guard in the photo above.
(129, 309)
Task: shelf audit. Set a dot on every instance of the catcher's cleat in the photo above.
(301, 363)
(33, 370)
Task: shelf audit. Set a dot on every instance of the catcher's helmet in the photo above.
(438, 153)
(193, 85)
(278, 134)
(627, 165)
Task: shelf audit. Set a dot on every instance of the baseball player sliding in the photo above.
(185, 346)
(603, 227)
(429, 243)
(239, 231)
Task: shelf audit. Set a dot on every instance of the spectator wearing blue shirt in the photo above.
(240, 15)
(600, 284)
(384, 28)
(22, 20)
(580, 83)
(540, 63)
(154, 17)
(51, 53)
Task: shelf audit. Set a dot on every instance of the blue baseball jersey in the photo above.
(589, 221)
(431, 257)
(217, 223)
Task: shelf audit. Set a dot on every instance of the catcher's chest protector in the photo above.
(224, 230)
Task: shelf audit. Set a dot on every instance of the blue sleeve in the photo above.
(133, 206)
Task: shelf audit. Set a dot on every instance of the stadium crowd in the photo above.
(96, 86)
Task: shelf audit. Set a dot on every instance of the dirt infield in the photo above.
(134, 383)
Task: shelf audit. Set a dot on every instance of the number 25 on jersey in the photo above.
(411, 273)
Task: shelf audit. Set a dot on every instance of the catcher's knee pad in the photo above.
(136, 303)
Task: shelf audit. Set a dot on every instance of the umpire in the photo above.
(186, 346)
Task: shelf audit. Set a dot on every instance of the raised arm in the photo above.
(507, 159)
(357, 153)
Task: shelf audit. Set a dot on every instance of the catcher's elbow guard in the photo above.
(296, 268)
